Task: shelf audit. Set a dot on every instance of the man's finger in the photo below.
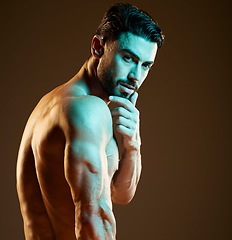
(121, 101)
(134, 98)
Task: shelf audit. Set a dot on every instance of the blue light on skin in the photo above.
(126, 61)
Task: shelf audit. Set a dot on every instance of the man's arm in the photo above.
(86, 166)
(125, 180)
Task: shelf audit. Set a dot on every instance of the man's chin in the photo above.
(123, 95)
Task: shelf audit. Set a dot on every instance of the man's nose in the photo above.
(135, 74)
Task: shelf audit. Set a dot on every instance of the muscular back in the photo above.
(66, 161)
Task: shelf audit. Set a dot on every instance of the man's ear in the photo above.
(97, 46)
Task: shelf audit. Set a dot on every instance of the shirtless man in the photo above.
(70, 168)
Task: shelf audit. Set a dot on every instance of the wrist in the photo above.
(132, 144)
(131, 154)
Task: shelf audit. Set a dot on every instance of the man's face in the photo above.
(125, 64)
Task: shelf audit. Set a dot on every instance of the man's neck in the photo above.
(86, 82)
(92, 80)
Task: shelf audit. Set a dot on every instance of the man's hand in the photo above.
(126, 117)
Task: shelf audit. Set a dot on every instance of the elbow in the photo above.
(122, 198)
(122, 194)
(122, 201)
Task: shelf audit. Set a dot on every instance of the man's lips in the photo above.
(128, 86)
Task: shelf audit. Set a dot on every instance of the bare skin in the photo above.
(68, 168)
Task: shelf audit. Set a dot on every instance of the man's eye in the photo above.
(146, 66)
(127, 58)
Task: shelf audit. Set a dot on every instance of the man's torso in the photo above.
(44, 194)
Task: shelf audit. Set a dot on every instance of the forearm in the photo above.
(126, 179)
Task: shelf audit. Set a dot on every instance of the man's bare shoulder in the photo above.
(85, 113)
(85, 106)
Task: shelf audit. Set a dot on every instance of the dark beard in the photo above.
(110, 88)
(109, 85)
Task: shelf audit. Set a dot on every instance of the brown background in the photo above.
(185, 104)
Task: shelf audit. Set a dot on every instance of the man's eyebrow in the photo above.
(135, 55)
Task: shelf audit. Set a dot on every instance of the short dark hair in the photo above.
(124, 17)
